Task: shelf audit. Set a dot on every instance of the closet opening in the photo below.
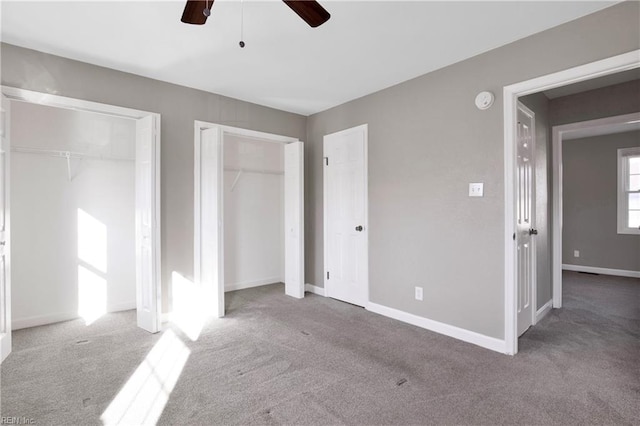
(253, 199)
(79, 212)
(248, 212)
(73, 211)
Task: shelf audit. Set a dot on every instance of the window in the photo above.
(629, 191)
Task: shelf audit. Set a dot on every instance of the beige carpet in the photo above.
(276, 360)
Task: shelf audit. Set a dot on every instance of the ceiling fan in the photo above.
(197, 11)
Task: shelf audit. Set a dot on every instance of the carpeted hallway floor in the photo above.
(276, 360)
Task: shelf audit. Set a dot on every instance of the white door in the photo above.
(5, 275)
(346, 227)
(148, 300)
(294, 219)
(210, 252)
(525, 218)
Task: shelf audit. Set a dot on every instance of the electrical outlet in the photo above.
(476, 189)
(576, 253)
(418, 293)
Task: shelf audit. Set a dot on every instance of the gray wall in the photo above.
(619, 99)
(590, 203)
(179, 106)
(427, 141)
(539, 104)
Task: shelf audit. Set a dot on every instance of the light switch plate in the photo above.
(476, 189)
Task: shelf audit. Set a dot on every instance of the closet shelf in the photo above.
(250, 170)
(67, 154)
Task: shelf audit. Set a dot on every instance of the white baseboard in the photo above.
(250, 284)
(544, 310)
(123, 306)
(19, 323)
(34, 321)
(314, 289)
(603, 271)
(448, 330)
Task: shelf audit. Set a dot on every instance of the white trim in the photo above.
(238, 131)
(57, 101)
(623, 191)
(37, 320)
(602, 271)
(310, 288)
(558, 135)
(448, 330)
(121, 306)
(556, 218)
(199, 126)
(511, 93)
(543, 311)
(327, 286)
(254, 283)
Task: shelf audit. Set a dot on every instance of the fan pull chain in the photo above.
(241, 23)
(206, 12)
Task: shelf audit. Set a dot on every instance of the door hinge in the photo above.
(326, 161)
(327, 274)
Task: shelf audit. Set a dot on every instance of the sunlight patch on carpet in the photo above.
(142, 399)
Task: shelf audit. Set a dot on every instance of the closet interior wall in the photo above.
(253, 212)
(73, 214)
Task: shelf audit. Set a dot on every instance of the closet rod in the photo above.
(250, 170)
(66, 154)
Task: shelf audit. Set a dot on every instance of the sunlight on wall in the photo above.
(92, 256)
(143, 398)
(189, 306)
(92, 241)
(92, 295)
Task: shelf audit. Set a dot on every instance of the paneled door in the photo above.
(5, 276)
(525, 218)
(345, 210)
(294, 219)
(147, 271)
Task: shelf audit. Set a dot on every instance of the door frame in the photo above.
(39, 98)
(327, 286)
(198, 208)
(611, 65)
(580, 129)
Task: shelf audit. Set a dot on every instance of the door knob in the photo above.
(533, 231)
(359, 228)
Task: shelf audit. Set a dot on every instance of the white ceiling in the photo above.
(365, 46)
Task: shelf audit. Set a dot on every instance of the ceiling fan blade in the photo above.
(310, 11)
(194, 12)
